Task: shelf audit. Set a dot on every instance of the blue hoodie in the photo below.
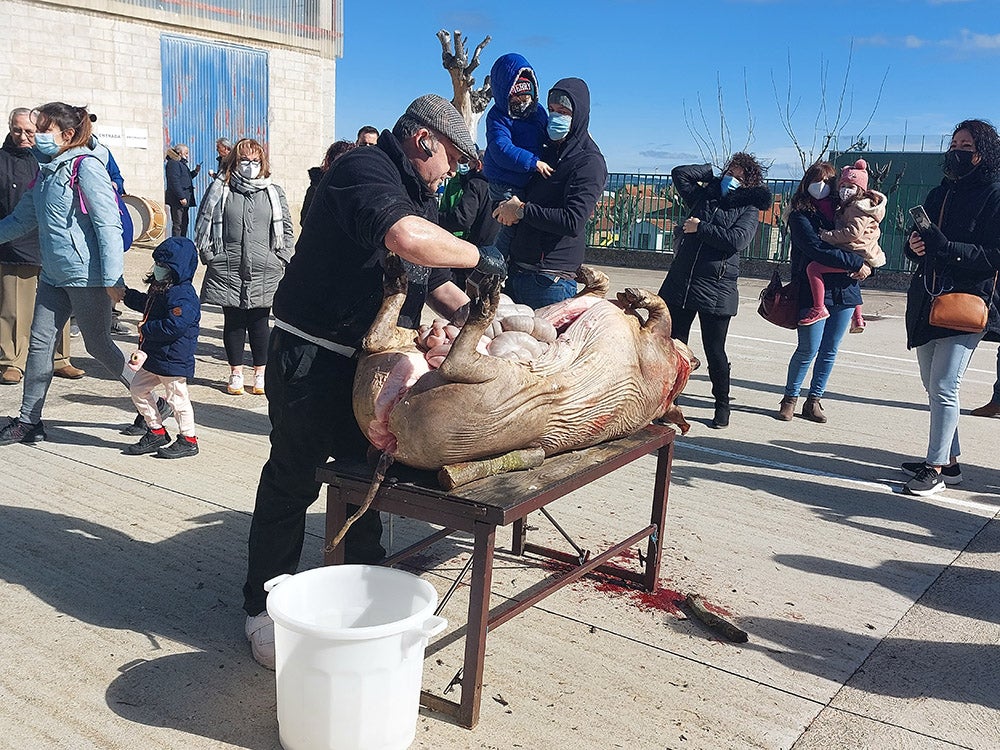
(168, 333)
(512, 144)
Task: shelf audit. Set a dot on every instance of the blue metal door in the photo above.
(211, 90)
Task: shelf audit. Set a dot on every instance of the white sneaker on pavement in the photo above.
(260, 633)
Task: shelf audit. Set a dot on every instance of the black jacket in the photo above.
(18, 168)
(706, 266)
(841, 289)
(315, 175)
(553, 233)
(332, 287)
(179, 183)
(473, 213)
(969, 263)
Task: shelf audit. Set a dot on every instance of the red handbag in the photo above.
(779, 303)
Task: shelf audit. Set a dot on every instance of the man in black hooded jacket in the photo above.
(550, 239)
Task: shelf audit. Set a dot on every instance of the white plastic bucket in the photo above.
(349, 654)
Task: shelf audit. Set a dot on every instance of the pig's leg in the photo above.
(657, 321)
(595, 283)
(464, 364)
(384, 334)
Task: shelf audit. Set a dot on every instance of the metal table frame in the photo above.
(481, 507)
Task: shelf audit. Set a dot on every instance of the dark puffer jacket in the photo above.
(706, 268)
(841, 288)
(169, 330)
(18, 168)
(969, 263)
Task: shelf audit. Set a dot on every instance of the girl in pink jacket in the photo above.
(857, 230)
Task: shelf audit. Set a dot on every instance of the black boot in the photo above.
(720, 391)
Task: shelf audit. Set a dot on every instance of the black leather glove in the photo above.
(491, 262)
(935, 243)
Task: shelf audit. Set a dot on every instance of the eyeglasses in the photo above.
(18, 132)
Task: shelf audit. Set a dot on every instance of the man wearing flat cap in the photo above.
(372, 201)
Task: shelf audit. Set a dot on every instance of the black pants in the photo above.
(236, 324)
(179, 221)
(312, 418)
(714, 329)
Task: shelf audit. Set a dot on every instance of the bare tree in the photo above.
(468, 100)
(831, 117)
(717, 153)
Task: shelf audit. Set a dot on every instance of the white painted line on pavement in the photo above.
(878, 486)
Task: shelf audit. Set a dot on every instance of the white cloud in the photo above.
(979, 41)
(965, 42)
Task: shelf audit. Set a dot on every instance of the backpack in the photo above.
(126, 217)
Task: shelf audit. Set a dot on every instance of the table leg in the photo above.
(479, 614)
(520, 534)
(658, 516)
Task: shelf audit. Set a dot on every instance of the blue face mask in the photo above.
(161, 273)
(558, 127)
(45, 144)
(462, 169)
(729, 183)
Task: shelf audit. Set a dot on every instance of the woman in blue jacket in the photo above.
(813, 207)
(80, 237)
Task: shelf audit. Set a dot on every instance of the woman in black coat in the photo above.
(959, 252)
(722, 222)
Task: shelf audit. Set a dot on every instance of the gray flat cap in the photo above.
(439, 114)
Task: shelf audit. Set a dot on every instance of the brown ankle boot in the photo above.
(813, 410)
(786, 409)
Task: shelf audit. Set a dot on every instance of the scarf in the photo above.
(208, 228)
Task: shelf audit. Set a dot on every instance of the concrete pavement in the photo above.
(873, 616)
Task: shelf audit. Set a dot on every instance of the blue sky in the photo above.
(647, 62)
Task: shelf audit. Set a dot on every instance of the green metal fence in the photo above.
(638, 212)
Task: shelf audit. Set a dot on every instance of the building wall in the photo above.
(113, 66)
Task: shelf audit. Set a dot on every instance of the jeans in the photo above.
(538, 289)
(714, 329)
(53, 306)
(942, 365)
(309, 395)
(817, 342)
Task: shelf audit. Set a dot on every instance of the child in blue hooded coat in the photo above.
(168, 335)
(515, 132)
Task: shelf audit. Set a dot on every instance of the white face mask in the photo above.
(847, 192)
(819, 190)
(249, 169)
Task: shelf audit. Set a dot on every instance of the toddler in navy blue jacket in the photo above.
(515, 132)
(168, 335)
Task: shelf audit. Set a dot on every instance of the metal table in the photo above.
(480, 507)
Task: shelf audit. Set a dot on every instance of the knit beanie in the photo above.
(523, 85)
(855, 175)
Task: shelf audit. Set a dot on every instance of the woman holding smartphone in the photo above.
(957, 251)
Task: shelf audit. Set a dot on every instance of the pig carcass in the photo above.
(610, 368)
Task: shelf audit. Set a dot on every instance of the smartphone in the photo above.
(920, 218)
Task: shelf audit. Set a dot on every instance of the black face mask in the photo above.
(958, 164)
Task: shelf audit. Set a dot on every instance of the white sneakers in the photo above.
(260, 633)
(235, 387)
(258, 384)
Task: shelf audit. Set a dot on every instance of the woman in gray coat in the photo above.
(244, 236)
